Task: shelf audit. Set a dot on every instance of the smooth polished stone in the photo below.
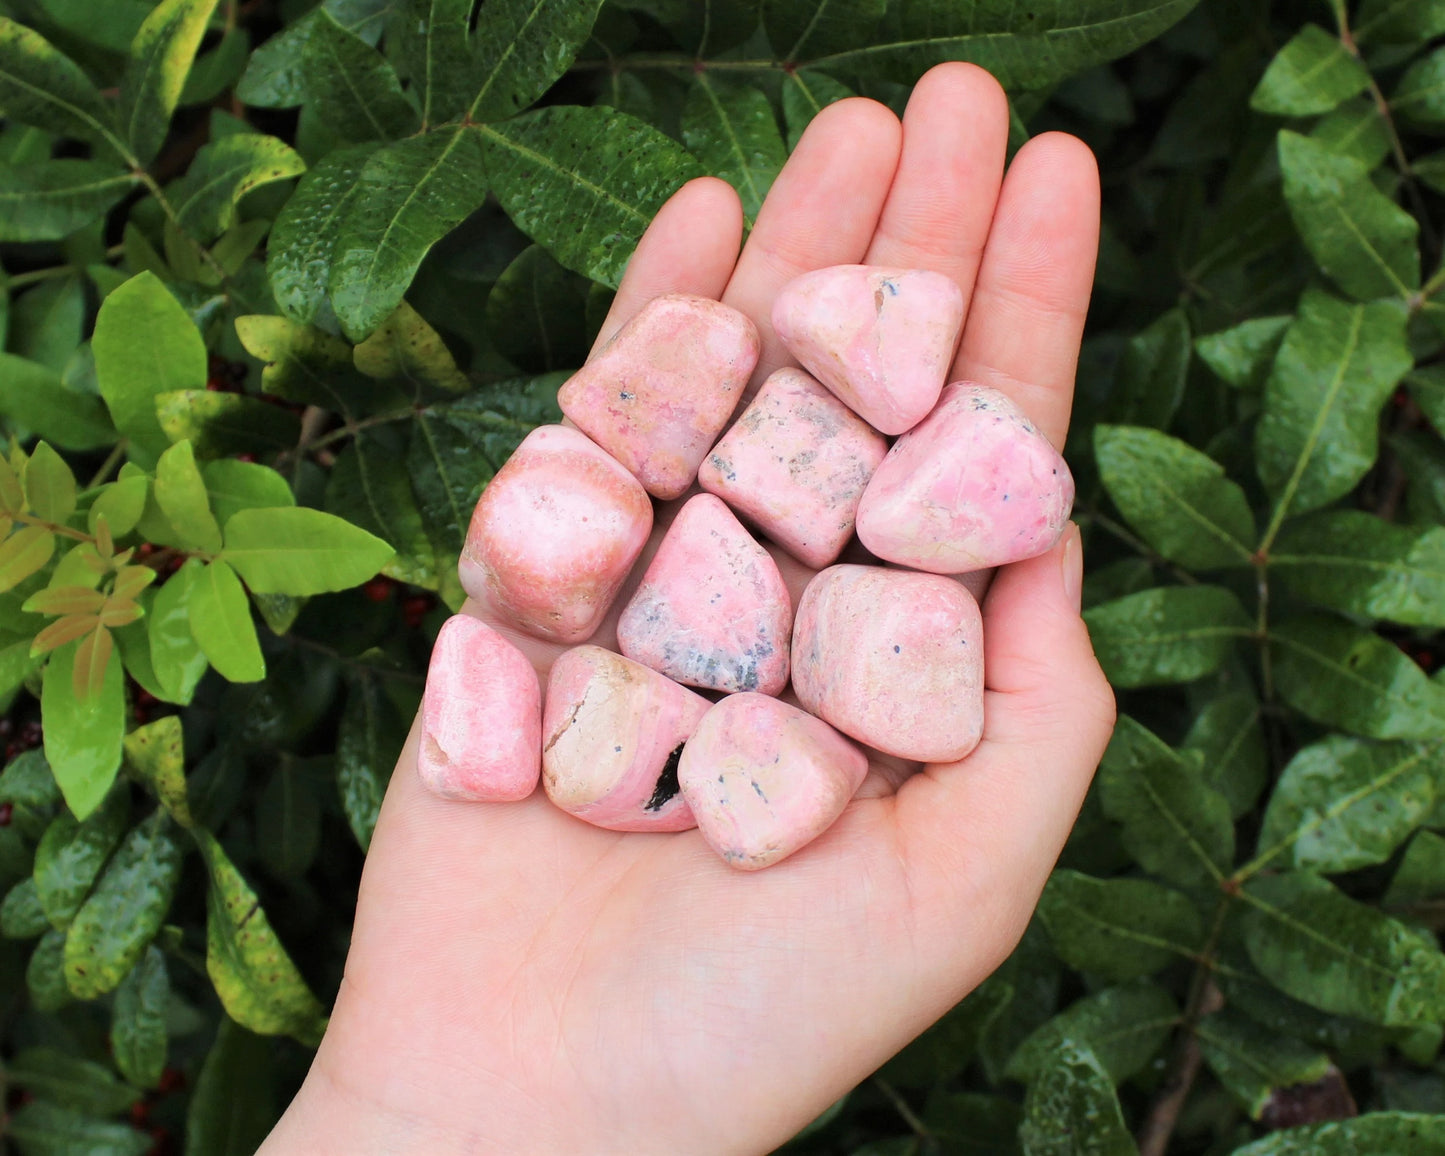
(892, 658)
(657, 395)
(974, 485)
(613, 733)
(712, 610)
(765, 779)
(881, 339)
(481, 716)
(795, 465)
(555, 534)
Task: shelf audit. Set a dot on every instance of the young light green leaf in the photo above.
(121, 504)
(1228, 737)
(49, 485)
(584, 182)
(82, 736)
(1309, 75)
(799, 31)
(1168, 634)
(1241, 356)
(221, 623)
(21, 916)
(404, 347)
(1358, 236)
(1177, 498)
(1419, 98)
(351, 86)
(216, 424)
(1253, 1062)
(1374, 1132)
(177, 660)
(138, 1020)
(1318, 434)
(41, 86)
(1123, 1026)
(519, 48)
(223, 172)
(1153, 368)
(50, 200)
(301, 551)
(161, 56)
(1329, 951)
(1174, 824)
(255, 979)
(1353, 561)
(733, 132)
(1072, 1109)
(155, 753)
(367, 746)
(71, 853)
(234, 1105)
(805, 95)
(145, 344)
(23, 553)
(414, 192)
(234, 486)
(536, 314)
(81, 1085)
(45, 974)
(44, 1128)
(1119, 929)
(34, 396)
(1353, 679)
(181, 494)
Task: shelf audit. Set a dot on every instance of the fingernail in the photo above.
(1073, 567)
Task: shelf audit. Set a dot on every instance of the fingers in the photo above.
(955, 135)
(1032, 292)
(822, 210)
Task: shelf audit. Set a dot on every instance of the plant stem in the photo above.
(680, 63)
(53, 527)
(1111, 527)
(901, 1106)
(112, 460)
(155, 190)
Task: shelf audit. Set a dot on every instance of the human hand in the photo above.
(522, 982)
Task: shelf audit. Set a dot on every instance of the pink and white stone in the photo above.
(554, 535)
(481, 717)
(973, 485)
(892, 658)
(657, 395)
(712, 610)
(765, 779)
(613, 733)
(881, 339)
(795, 465)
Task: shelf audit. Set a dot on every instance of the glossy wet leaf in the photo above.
(1229, 739)
(82, 736)
(1242, 355)
(1168, 634)
(221, 623)
(367, 748)
(350, 85)
(70, 856)
(181, 494)
(224, 172)
(138, 1040)
(518, 49)
(1311, 74)
(799, 31)
(177, 659)
(1118, 929)
(734, 134)
(1123, 1026)
(52, 199)
(155, 753)
(1072, 1110)
(1252, 1062)
(1403, 1132)
(161, 56)
(292, 550)
(41, 86)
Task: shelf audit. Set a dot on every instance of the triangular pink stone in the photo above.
(712, 610)
(881, 339)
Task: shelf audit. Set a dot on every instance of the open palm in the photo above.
(522, 982)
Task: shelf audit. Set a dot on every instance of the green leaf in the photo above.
(349, 84)
(1123, 1026)
(805, 95)
(218, 69)
(1419, 98)
(1118, 929)
(32, 395)
(1241, 356)
(138, 1020)
(584, 182)
(49, 485)
(156, 754)
(1356, 130)
(519, 48)
(733, 133)
(21, 916)
(28, 786)
(368, 745)
(1341, 956)
(1152, 371)
(234, 1105)
(300, 248)
(1309, 75)
(216, 424)
(413, 193)
(535, 314)
(52, 199)
(1421, 874)
(82, 1085)
(369, 488)
(1072, 1109)
(428, 41)
(71, 853)
(1253, 1062)
(1399, 21)
(181, 494)
(406, 348)
(177, 660)
(161, 56)
(1356, 562)
(1318, 435)
(24, 553)
(798, 31)
(1227, 736)
(45, 974)
(288, 822)
(145, 344)
(300, 551)
(1353, 679)
(1177, 498)
(1168, 634)
(45, 1129)
(256, 981)
(1344, 803)
(121, 504)
(42, 87)
(1174, 824)
(233, 486)
(309, 366)
(82, 737)
(1375, 1132)
(1358, 236)
(221, 623)
(112, 929)
(1427, 387)
(47, 321)
(223, 172)
(111, 26)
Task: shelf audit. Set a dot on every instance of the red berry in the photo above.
(142, 716)
(140, 1114)
(171, 1079)
(215, 386)
(7, 812)
(414, 609)
(378, 589)
(145, 550)
(245, 457)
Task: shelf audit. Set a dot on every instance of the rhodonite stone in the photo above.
(795, 465)
(764, 779)
(481, 716)
(881, 339)
(554, 535)
(712, 610)
(973, 485)
(612, 736)
(892, 658)
(659, 392)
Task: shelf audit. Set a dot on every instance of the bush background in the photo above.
(284, 283)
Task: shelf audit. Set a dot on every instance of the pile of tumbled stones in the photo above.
(890, 657)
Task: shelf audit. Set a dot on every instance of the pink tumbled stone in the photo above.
(892, 658)
(764, 778)
(481, 716)
(712, 610)
(613, 735)
(974, 485)
(795, 464)
(659, 392)
(554, 535)
(881, 339)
